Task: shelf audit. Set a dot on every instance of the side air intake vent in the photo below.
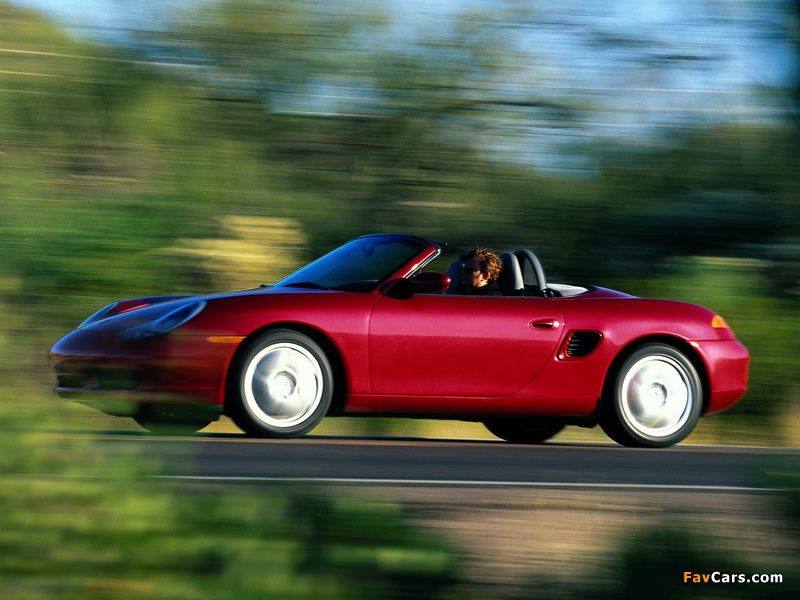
(580, 344)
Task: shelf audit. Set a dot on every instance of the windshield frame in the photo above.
(323, 272)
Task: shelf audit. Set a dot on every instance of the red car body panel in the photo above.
(439, 355)
(189, 366)
(438, 345)
(628, 321)
(91, 366)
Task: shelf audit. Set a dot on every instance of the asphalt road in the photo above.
(419, 461)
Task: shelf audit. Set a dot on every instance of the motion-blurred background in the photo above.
(152, 147)
(160, 147)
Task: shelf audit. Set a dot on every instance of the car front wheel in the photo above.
(656, 398)
(283, 386)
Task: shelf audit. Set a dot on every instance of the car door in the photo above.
(442, 345)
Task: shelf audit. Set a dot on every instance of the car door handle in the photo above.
(544, 324)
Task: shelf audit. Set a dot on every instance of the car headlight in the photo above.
(164, 323)
(98, 315)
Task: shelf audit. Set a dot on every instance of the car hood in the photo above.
(126, 313)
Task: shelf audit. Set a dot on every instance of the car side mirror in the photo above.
(427, 282)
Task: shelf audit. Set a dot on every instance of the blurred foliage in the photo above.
(783, 474)
(656, 559)
(213, 143)
(103, 534)
(156, 167)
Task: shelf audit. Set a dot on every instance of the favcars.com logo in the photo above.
(717, 577)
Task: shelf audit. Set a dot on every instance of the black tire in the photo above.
(655, 400)
(525, 431)
(165, 420)
(281, 387)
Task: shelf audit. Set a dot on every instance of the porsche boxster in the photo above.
(366, 331)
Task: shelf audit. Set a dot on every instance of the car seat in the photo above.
(510, 280)
(456, 275)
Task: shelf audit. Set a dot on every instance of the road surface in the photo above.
(421, 461)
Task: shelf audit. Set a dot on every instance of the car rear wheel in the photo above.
(165, 420)
(656, 399)
(283, 386)
(530, 431)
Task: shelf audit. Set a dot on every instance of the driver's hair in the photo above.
(489, 262)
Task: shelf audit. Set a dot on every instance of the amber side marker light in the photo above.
(225, 339)
(719, 323)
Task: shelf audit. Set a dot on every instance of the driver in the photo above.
(480, 272)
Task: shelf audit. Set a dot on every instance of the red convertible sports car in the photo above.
(365, 331)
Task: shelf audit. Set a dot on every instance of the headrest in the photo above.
(456, 274)
(510, 280)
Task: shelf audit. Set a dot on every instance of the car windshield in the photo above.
(359, 265)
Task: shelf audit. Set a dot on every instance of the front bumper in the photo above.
(94, 367)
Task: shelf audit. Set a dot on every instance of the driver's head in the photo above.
(488, 265)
